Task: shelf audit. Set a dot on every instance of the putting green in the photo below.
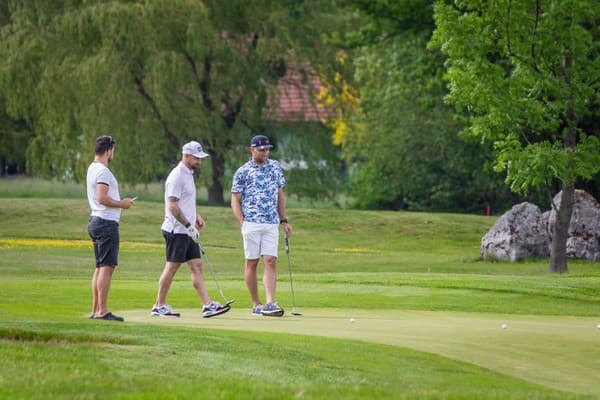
(554, 351)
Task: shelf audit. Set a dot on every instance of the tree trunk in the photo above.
(215, 191)
(558, 252)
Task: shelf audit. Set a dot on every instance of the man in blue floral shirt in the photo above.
(258, 204)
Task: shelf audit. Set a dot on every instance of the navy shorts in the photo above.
(105, 235)
(180, 247)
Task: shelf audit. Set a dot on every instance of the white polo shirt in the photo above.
(180, 184)
(99, 174)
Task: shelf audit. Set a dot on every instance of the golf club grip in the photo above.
(287, 244)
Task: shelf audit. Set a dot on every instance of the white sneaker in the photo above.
(214, 309)
(163, 311)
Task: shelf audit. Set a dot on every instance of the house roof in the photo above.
(296, 99)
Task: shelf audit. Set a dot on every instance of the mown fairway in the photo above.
(428, 313)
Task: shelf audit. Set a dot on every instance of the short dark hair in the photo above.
(103, 144)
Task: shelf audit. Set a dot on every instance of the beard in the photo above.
(260, 159)
(191, 165)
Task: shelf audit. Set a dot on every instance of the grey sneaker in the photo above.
(214, 309)
(163, 311)
(257, 310)
(272, 310)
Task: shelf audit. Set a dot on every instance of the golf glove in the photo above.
(193, 233)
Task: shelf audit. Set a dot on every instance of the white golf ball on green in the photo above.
(504, 326)
(352, 320)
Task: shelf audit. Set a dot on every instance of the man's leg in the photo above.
(251, 281)
(164, 283)
(270, 277)
(209, 308)
(95, 293)
(103, 278)
(198, 279)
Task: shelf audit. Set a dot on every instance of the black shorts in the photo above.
(105, 235)
(180, 247)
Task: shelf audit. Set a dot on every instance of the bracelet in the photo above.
(283, 221)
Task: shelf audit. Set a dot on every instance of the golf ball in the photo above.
(598, 326)
(504, 326)
(352, 321)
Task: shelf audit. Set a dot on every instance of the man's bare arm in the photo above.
(176, 211)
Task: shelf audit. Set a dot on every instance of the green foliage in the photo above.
(151, 74)
(528, 76)
(312, 162)
(391, 18)
(408, 139)
(545, 161)
(14, 136)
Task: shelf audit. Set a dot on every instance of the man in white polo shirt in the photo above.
(180, 230)
(103, 226)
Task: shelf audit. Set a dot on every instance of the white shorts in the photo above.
(260, 240)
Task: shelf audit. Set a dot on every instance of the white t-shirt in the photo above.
(180, 184)
(98, 173)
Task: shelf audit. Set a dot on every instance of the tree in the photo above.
(528, 76)
(14, 132)
(154, 74)
(394, 127)
(14, 136)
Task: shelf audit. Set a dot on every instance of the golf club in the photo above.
(287, 251)
(227, 302)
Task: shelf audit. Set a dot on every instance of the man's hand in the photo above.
(199, 222)
(193, 233)
(287, 229)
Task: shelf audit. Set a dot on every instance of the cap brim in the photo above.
(199, 155)
(268, 146)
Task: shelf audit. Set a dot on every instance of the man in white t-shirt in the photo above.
(103, 226)
(180, 230)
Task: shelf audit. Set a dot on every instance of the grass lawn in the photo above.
(428, 313)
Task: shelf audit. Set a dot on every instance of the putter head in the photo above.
(229, 302)
(294, 312)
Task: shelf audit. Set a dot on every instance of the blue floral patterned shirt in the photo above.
(259, 187)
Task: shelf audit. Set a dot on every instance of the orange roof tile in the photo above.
(297, 100)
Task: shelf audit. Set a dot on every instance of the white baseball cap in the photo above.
(195, 149)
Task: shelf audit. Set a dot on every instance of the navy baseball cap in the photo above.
(261, 142)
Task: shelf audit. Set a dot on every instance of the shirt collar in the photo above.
(255, 165)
